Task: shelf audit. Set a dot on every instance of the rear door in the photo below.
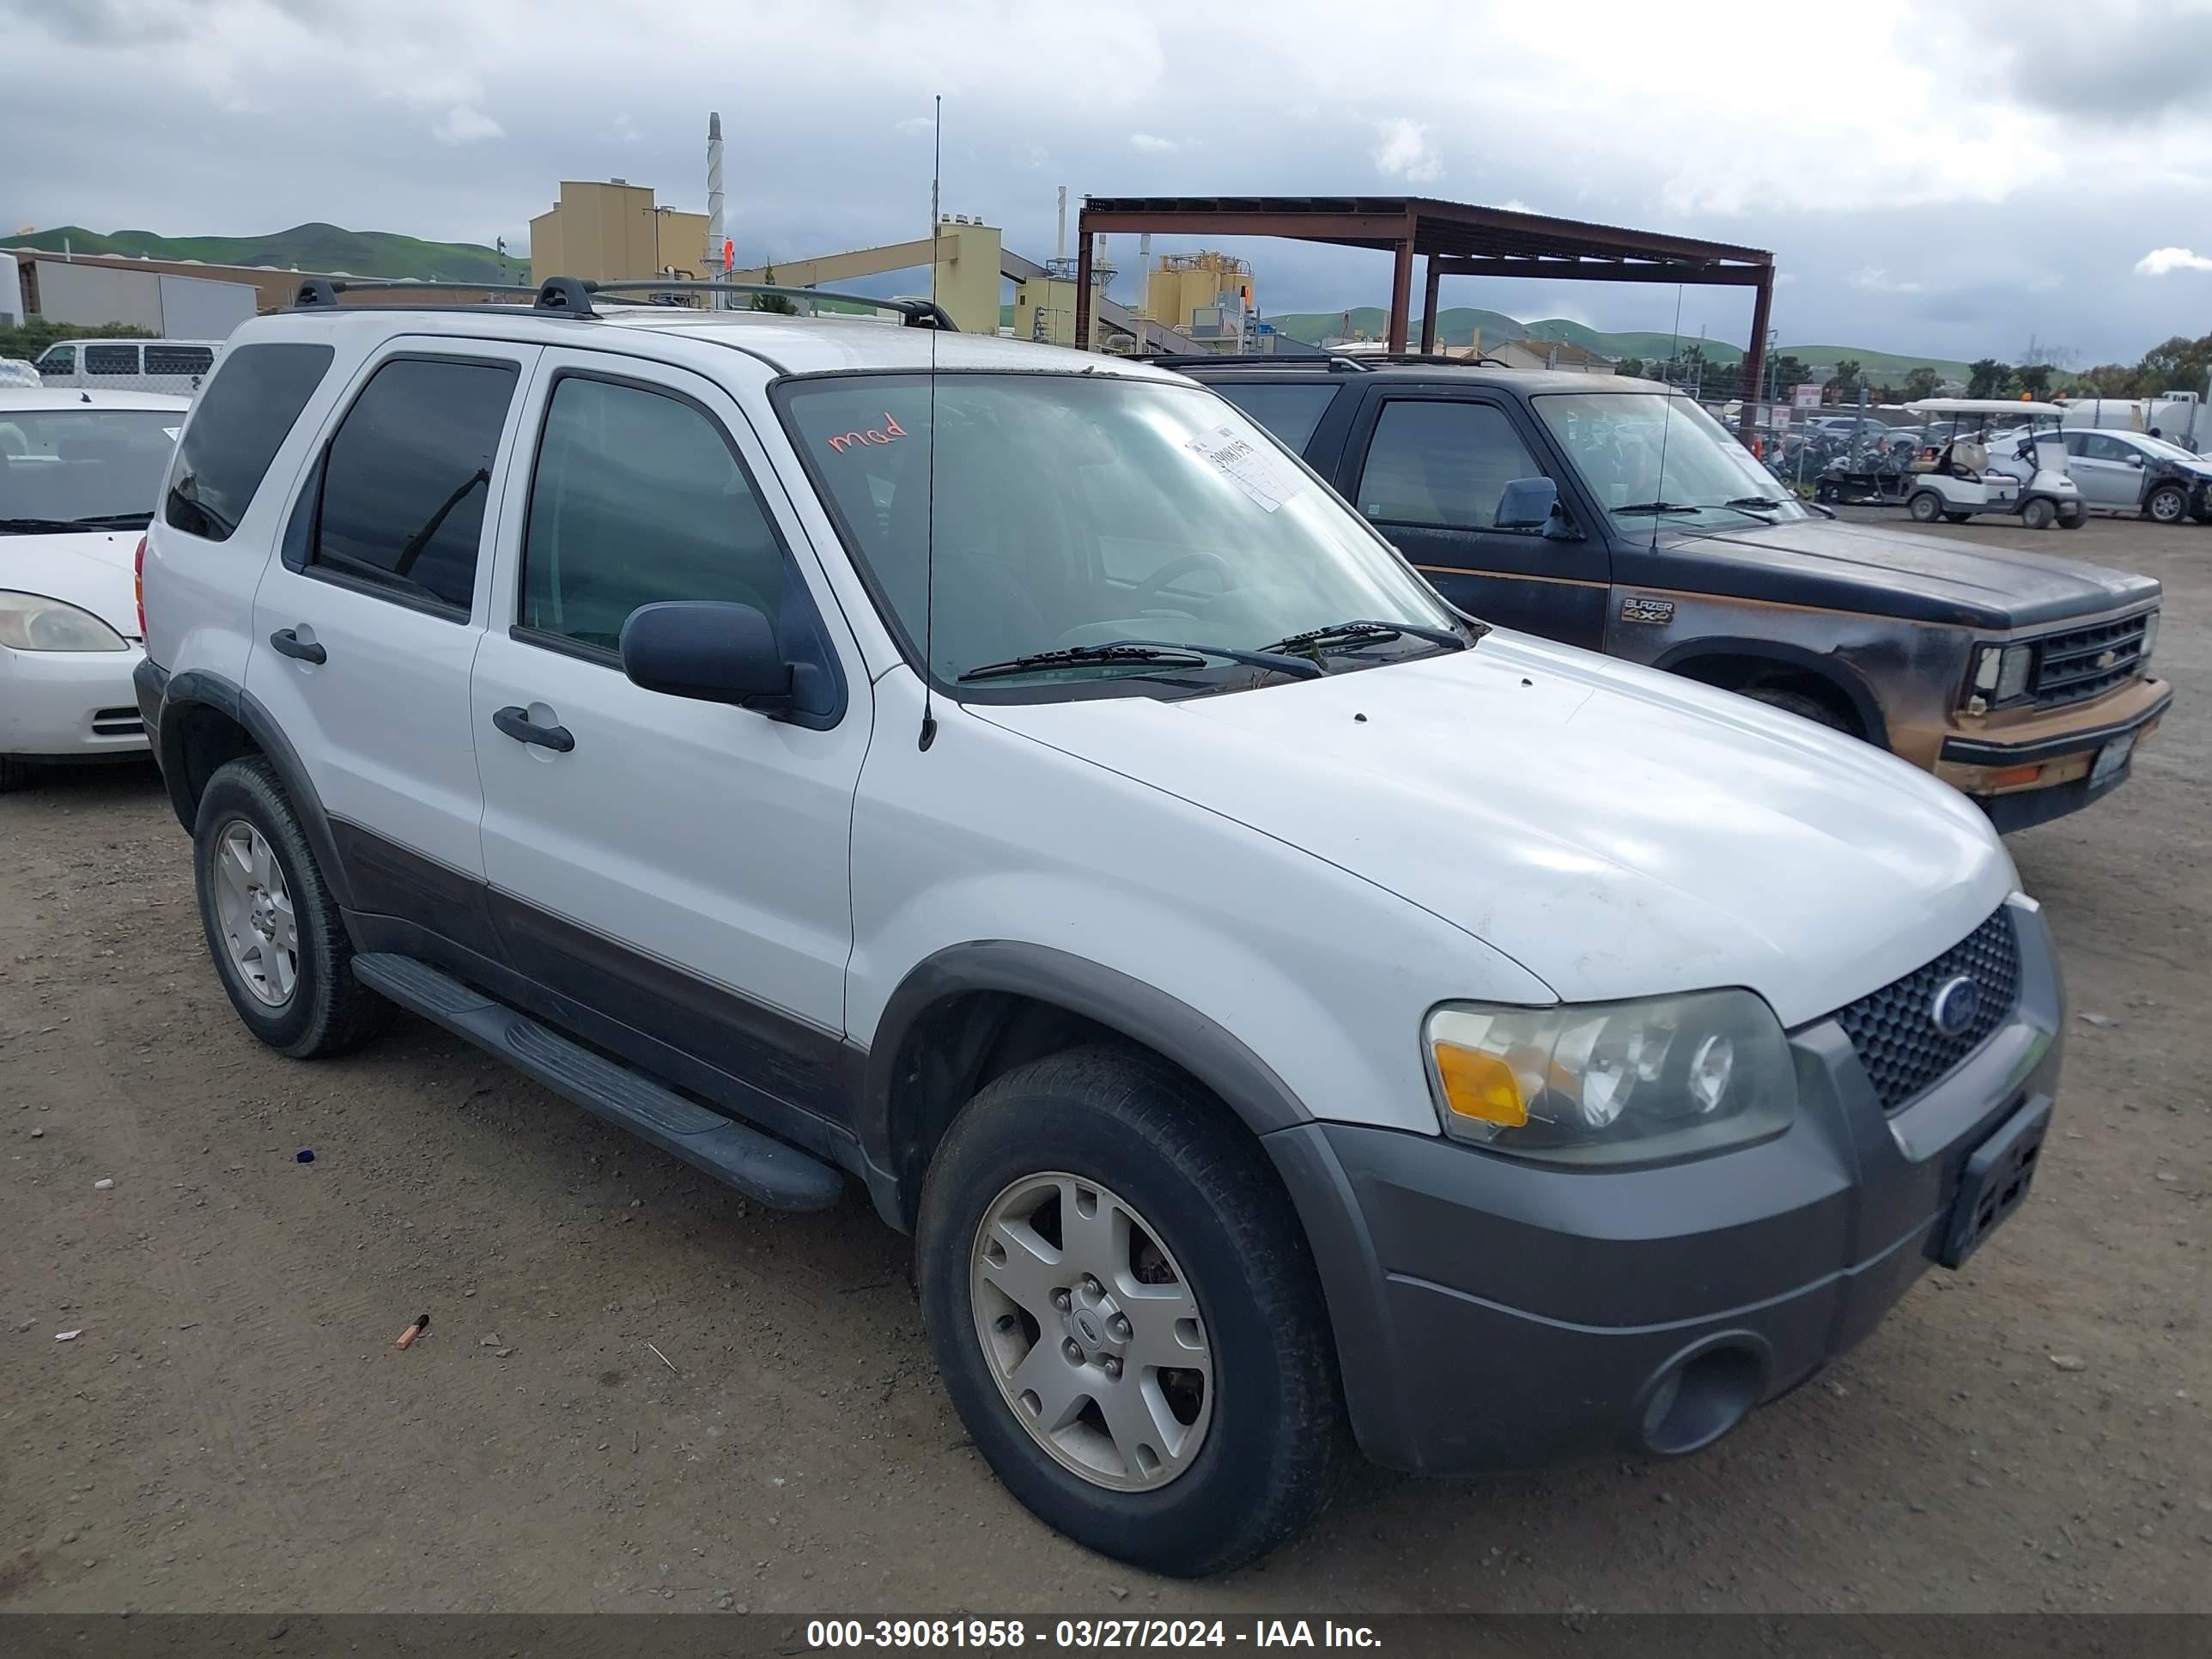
(367, 627)
(1430, 468)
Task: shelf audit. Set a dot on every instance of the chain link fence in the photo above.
(175, 367)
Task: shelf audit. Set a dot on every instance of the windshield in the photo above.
(64, 466)
(1074, 511)
(2160, 446)
(1617, 439)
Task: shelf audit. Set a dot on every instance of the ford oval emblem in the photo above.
(1951, 1011)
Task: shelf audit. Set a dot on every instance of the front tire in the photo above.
(1925, 508)
(2168, 504)
(273, 928)
(1797, 703)
(2038, 514)
(1126, 1314)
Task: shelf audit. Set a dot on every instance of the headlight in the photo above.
(2149, 639)
(2000, 670)
(29, 623)
(1615, 1082)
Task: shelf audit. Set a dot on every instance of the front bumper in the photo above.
(70, 705)
(2035, 775)
(1491, 1313)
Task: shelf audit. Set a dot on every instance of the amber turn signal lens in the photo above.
(1481, 1086)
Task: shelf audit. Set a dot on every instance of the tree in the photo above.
(2179, 365)
(1921, 383)
(1632, 366)
(2034, 378)
(1844, 380)
(1788, 371)
(1988, 377)
(781, 304)
(2108, 380)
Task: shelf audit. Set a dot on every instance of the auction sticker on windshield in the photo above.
(1253, 468)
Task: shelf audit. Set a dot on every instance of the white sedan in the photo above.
(79, 473)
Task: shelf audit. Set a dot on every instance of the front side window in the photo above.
(637, 498)
(1076, 511)
(2099, 447)
(1647, 455)
(406, 475)
(1441, 465)
(235, 431)
(101, 468)
(111, 359)
(59, 360)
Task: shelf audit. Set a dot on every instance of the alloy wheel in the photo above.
(254, 906)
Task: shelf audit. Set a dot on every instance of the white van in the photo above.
(172, 365)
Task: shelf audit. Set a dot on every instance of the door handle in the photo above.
(517, 724)
(286, 641)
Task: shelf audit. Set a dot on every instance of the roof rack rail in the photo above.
(571, 297)
(1417, 359)
(321, 293)
(1334, 363)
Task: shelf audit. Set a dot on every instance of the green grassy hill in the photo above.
(306, 247)
(1456, 326)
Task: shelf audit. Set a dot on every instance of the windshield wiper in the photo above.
(116, 520)
(62, 527)
(1370, 633)
(1743, 504)
(1157, 653)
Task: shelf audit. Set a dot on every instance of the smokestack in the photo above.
(1060, 230)
(714, 232)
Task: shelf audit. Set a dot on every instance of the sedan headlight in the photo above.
(31, 622)
(1615, 1082)
(2000, 670)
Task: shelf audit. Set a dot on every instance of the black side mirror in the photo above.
(708, 650)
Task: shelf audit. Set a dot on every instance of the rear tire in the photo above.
(2038, 514)
(1154, 1155)
(2168, 504)
(13, 775)
(1798, 703)
(1925, 508)
(274, 930)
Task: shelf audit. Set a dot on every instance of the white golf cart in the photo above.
(1963, 473)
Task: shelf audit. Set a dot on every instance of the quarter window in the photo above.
(1443, 465)
(638, 499)
(406, 475)
(235, 431)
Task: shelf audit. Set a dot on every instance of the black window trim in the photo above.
(412, 597)
(1388, 395)
(545, 639)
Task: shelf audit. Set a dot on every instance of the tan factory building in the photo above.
(608, 232)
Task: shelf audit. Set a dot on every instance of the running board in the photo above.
(779, 1176)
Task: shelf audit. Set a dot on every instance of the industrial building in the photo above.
(172, 299)
(610, 231)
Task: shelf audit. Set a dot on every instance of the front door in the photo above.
(1431, 469)
(2108, 471)
(678, 866)
(366, 627)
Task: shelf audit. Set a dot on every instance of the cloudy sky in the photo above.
(1939, 179)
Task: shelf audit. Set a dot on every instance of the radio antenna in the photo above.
(929, 530)
(1665, 420)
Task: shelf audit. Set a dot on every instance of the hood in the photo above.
(89, 570)
(1874, 568)
(1618, 832)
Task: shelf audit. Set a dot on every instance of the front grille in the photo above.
(117, 723)
(1894, 1030)
(2071, 667)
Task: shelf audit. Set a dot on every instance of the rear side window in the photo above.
(1444, 465)
(235, 431)
(179, 360)
(406, 474)
(1291, 412)
(111, 359)
(638, 499)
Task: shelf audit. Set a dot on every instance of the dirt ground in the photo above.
(233, 1429)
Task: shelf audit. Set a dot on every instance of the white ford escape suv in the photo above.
(1284, 1013)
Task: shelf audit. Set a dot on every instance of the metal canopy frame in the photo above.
(1456, 238)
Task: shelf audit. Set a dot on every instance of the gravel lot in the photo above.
(233, 1429)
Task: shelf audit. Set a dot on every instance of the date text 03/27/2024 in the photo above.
(1002, 1634)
